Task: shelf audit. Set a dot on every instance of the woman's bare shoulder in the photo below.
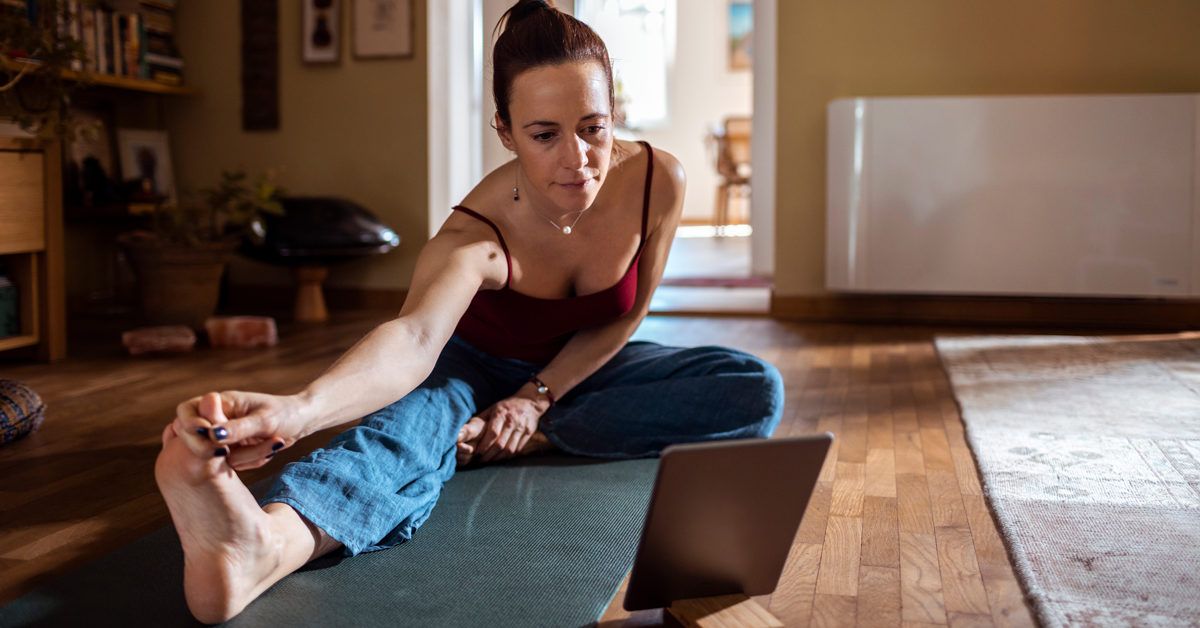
(669, 171)
(666, 187)
(491, 190)
(470, 240)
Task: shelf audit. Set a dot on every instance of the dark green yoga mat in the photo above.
(544, 541)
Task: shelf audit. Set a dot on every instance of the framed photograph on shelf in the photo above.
(383, 29)
(321, 30)
(91, 158)
(741, 34)
(146, 157)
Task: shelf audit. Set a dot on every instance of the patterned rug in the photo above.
(1089, 450)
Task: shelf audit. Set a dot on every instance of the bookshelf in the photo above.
(118, 82)
(35, 226)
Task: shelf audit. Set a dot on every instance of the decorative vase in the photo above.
(177, 284)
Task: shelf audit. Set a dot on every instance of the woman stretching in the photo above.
(514, 338)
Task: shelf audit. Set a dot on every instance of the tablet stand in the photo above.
(720, 611)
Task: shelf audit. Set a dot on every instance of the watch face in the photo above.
(543, 390)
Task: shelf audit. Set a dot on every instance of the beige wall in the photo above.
(357, 129)
(832, 48)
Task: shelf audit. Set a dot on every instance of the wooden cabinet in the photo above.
(31, 243)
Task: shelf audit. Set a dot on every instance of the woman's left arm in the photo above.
(589, 349)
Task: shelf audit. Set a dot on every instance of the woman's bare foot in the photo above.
(231, 551)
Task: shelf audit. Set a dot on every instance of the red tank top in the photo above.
(510, 324)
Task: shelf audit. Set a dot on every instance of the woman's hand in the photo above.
(501, 431)
(246, 427)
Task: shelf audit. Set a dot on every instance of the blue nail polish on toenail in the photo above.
(221, 452)
(203, 431)
(277, 446)
(220, 433)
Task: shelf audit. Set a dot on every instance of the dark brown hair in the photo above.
(534, 34)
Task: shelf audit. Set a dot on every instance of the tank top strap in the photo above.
(646, 192)
(507, 257)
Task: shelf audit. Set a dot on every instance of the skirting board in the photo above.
(1155, 314)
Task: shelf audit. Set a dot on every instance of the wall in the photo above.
(830, 49)
(356, 129)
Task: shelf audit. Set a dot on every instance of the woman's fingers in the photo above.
(195, 434)
(490, 432)
(471, 430)
(253, 457)
(198, 422)
(210, 408)
(488, 453)
(254, 428)
(497, 449)
(464, 453)
(521, 443)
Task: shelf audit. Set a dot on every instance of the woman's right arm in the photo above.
(394, 358)
(382, 367)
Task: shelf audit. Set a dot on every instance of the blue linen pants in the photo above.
(374, 484)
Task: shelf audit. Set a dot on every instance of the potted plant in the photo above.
(37, 57)
(179, 261)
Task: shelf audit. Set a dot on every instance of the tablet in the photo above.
(722, 518)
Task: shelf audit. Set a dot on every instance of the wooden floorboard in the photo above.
(897, 531)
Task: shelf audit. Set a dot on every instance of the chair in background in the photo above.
(732, 143)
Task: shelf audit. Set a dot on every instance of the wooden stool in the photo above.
(310, 299)
(313, 233)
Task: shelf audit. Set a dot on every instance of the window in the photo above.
(640, 35)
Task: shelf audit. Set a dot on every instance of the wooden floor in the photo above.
(897, 532)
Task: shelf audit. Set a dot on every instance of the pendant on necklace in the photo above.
(567, 230)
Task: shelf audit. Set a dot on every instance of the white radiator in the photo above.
(1016, 195)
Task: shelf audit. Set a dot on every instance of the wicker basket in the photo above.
(21, 410)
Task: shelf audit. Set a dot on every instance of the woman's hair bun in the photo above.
(523, 9)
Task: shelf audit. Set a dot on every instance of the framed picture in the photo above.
(94, 139)
(146, 155)
(91, 157)
(741, 34)
(383, 29)
(321, 31)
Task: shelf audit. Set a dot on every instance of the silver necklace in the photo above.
(566, 229)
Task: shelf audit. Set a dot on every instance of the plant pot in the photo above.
(177, 284)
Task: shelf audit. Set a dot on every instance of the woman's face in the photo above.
(562, 133)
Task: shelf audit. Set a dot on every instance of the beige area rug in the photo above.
(1089, 449)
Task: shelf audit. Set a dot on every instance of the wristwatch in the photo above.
(542, 388)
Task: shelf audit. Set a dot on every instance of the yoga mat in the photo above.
(543, 541)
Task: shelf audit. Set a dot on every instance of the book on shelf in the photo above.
(127, 43)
